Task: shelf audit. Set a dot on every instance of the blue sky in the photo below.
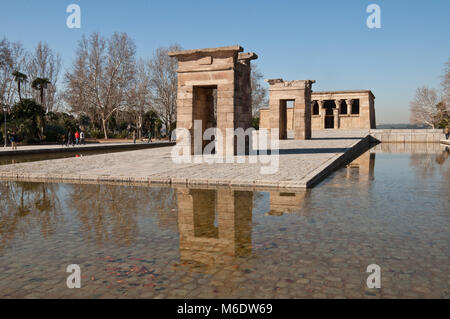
(327, 41)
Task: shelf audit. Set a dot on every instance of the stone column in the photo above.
(336, 112)
(321, 113)
(349, 106)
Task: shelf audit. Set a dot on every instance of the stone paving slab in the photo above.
(41, 149)
(302, 164)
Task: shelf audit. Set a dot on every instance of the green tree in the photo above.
(85, 121)
(40, 84)
(19, 78)
(149, 121)
(28, 117)
(255, 122)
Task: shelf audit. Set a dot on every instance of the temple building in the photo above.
(333, 110)
(214, 87)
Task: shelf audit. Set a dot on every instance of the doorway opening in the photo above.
(286, 117)
(329, 117)
(344, 107)
(205, 110)
(355, 106)
(205, 213)
(315, 108)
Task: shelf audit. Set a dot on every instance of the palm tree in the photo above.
(19, 77)
(40, 84)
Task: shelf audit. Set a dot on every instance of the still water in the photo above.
(389, 207)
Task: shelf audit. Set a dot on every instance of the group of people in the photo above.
(149, 140)
(77, 138)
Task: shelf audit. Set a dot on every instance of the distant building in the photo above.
(334, 110)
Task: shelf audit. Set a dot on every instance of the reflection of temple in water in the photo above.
(281, 203)
(214, 226)
(287, 202)
(362, 167)
(423, 148)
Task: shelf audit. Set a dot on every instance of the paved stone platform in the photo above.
(302, 164)
(57, 148)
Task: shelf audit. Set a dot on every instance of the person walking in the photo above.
(134, 137)
(13, 140)
(149, 137)
(82, 138)
(62, 140)
(69, 138)
(447, 133)
(77, 137)
(8, 137)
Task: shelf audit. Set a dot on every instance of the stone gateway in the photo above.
(214, 86)
(298, 93)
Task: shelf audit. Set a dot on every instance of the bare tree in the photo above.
(163, 84)
(101, 75)
(259, 92)
(138, 96)
(446, 84)
(45, 64)
(76, 95)
(5, 55)
(12, 58)
(424, 108)
(6, 66)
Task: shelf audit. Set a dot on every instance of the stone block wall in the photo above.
(420, 148)
(299, 92)
(407, 135)
(225, 69)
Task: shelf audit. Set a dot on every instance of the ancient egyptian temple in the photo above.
(214, 87)
(329, 110)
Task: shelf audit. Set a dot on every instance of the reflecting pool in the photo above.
(389, 207)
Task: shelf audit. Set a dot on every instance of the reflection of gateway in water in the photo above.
(363, 166)
(214, 226)
(287, 202)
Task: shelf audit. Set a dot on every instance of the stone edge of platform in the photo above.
(99, 147)
(336, 161)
